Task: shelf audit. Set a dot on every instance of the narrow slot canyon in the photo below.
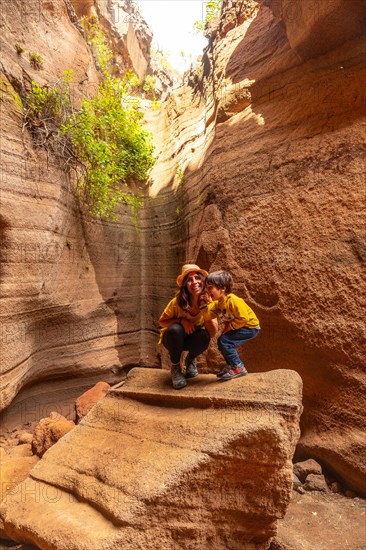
(259, 170)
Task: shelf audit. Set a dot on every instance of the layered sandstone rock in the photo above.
(128, 34)
(261, 172)
(148, 467)
(69, 285)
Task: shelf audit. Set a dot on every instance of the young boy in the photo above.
(240, 322)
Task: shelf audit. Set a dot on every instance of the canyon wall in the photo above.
(127, 32)
(261, 162)
(261, 172)
(70, 286)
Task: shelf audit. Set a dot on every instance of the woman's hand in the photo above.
(187, 325)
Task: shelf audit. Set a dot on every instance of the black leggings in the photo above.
(176, 341)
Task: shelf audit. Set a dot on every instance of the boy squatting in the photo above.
(240, 322)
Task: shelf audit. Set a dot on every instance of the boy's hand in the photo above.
(203, 299)
(187, 325)
(226, 328)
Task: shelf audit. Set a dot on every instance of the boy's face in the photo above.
(215, 292)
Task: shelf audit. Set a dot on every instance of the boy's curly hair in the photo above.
(221, 279)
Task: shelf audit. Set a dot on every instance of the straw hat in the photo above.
(189, 268)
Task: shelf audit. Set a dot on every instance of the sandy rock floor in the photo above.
(314, 520)
(318, 521)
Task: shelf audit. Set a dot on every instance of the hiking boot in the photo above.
(178, 380)
(234, 372)
(223, 371)
(191, 367)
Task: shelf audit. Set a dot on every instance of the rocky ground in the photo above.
(314, 521)
(322, 514)
(319, 521)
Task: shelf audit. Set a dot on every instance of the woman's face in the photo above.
(195, 283)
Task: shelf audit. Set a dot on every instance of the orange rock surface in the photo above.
(150, 467)
(48, 431)
(86, 401)
(261, 163)
(64, 278)
(261, 172)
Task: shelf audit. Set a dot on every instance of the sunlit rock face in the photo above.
(84, 8)
(261, 172)
(128, 34)
(207, 467)
(314, 28)
(70, 286)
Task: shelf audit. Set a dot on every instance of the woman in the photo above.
(183, 325)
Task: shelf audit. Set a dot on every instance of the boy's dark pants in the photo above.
(229, 341)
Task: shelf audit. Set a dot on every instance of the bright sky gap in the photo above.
(172, 21)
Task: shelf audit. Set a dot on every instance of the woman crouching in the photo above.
(183, 325)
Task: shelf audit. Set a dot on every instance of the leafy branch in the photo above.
(103, 141)
(213, 10)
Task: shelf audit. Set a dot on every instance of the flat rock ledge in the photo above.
(149, 467)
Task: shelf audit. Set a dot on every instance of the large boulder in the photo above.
(150, 467)
(303, 469)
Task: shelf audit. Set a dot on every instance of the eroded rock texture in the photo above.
(261, 171)
(70, 287)
(262, 161)
(209, 467)
(127, 33)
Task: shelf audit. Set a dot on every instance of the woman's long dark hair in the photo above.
(183, 296)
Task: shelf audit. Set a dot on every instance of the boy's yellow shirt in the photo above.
(233, 310)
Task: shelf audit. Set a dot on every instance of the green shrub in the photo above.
(131, 80)
(36, 60)
(104, 141)
(98, 42)
(116, 152)
(155, 104)
(149, 85)
(45, 109)
(213, 10)
(19, 49)
(50, 103)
